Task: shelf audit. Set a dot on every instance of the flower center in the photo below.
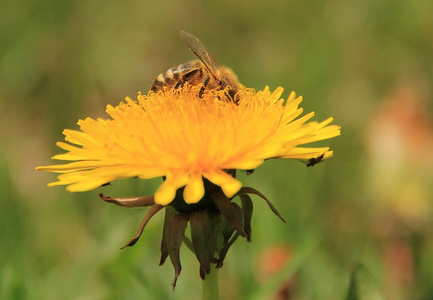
(206, 202)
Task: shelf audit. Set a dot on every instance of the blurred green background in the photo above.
(359, 226)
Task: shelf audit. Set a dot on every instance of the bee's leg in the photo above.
(179, 84)
(205, 83)
(231, 96)
(185, 78)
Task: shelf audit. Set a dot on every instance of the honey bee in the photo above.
(206, 71)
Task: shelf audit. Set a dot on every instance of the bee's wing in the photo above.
(201, 52)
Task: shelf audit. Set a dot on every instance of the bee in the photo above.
(315, 160)
(206, 70)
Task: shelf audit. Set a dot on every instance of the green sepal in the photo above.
(202, 239)
(227, 233)
(176, 230)
(226, 208)
(169, 213)
(250, 190)
(172, 237)
(247, 209)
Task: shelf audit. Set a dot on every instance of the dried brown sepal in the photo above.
(227, 233)
(218, 225)
(202, 239)
(247, 209)
(169, 213)
(202, 272)
(225, 249)
(176, 230)
(239, 213)
(250, 190)
(150, 213)
(143, 201)
(226, 208)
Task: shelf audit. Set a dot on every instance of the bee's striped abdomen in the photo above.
(171, 77)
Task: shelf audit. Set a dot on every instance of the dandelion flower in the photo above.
(196, 144)
(185, 139)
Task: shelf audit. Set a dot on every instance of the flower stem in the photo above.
(210, 288)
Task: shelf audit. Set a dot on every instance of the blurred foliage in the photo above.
(359, 226)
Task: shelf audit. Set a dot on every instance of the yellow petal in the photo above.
(194, 190)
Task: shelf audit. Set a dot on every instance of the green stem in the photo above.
(210, 289)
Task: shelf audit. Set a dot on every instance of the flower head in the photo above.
(196, 143)
(184, 138)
